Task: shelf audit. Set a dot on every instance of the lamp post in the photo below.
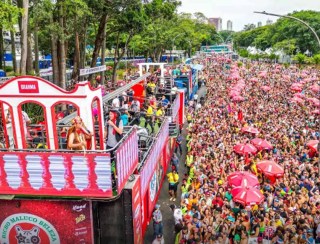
(294, 18)
(173, 44)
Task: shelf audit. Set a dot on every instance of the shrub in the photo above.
(8, 69)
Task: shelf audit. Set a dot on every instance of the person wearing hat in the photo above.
(157, 221)
(113, 129)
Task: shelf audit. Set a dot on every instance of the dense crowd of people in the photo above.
(283, 105)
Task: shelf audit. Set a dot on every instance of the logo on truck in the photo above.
(27, 228)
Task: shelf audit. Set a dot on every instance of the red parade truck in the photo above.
(53, 195)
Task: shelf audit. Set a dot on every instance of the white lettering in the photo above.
(28, 87)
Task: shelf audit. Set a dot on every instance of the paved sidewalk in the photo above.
(167, 214)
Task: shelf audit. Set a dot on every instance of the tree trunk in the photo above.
(24, 37)
(55, 64)
(83, 44)
(29, 68)
(117, 58)
(76, 58)
(13, 52)
(1, 48)
(103, 57)
(36, 50)
(98, 41)
(62, 52)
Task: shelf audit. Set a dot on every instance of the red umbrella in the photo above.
(315, 88)
(245, 149)
(242, 178)
(233, 93)
(261, 144)
(247, 195)
(313, 144)
(299, 95)
(237, 99)
(316, 111)
(296, 100)
(250, 129)
(265, 88)
(296, 87)
(315, 101)
(270, 168)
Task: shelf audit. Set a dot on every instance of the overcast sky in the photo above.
(240, 12)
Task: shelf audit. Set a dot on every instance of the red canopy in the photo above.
(245, 149)
(270, 168)
(313, 144)
(247, 195)
(261, 144)
(244, 179)
(250, 129)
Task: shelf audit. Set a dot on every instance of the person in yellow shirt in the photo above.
(159, 115)
(173, 179)
(149, 116)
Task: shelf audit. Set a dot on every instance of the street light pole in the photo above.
(173, 45)
(291, 17)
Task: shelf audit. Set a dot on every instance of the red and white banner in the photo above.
(31, 86)
(55, 174)
(136, 212)
(153, 157)
(127, 159)
(45, 221)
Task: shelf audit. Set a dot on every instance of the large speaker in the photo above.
(114, 221)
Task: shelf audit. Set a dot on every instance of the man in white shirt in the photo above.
(116, 103)
(178, 220)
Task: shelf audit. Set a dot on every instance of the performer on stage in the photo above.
(78, 137)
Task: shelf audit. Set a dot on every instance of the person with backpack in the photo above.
(114, 129)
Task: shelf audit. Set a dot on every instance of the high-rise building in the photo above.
(259, 24)
(217, 22)
(229, 25)
(269, 22)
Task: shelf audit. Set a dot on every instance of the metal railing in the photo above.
(66, 120)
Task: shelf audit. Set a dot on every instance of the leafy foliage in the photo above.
(286, 34)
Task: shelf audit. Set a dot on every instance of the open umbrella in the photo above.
(315, 88)
(242, 178)
(315, 101)
(316, 111)
(296, 87)
(237, 99)
(247, 195)
(250, 129)
(245, 149)
(313, 144)
(270, 168)
(296, 100)
(261, 144)
(265, 88)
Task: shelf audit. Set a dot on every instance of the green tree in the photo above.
(300, 58)
(8, 17)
